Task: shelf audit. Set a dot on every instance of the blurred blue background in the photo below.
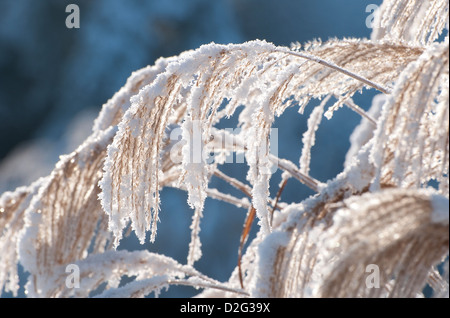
(54, 80)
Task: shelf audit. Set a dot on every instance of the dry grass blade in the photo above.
(113, 111)
(380, 63)
(417, 21)
(394, 230)
(309, 137)
(342, 70)
(292, 169)
(287, 257)
(142, 288)
(234, 182)
(63, 217)
(195, 251)
(12, 215)
(143, 265)
(411, 140)
(277, 198)
(351, 104)
(244, 236)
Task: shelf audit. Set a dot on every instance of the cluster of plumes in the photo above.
(379, 211)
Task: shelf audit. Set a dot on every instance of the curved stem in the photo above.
(337, 68)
